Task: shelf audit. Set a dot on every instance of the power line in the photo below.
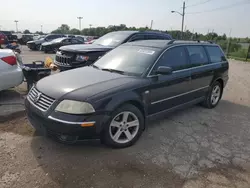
(200, 3)
(221, 8)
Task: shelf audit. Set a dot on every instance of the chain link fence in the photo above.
(236, 50)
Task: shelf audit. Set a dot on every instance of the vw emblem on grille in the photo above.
(37, 97)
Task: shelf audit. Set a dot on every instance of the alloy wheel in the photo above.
(215, 96)
(124, 127)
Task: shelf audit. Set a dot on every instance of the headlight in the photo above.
(82, 58)
(75, 107)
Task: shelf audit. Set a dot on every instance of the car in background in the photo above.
(11, 38)
(11, 74)
(24, 38)
(36, 44)
(132, 84)
(74, 56)
(82, 38)
(55, 44)
(3, 39)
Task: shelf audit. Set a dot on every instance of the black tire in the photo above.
(106, 137)
(37, 47)
(208, 101)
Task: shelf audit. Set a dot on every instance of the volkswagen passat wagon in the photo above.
(136, 82)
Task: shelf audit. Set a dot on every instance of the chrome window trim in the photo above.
(209, 64)
(155, 102)
(70, 122)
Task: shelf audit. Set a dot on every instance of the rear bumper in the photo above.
(47, 124)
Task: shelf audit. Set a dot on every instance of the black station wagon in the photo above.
(134, 83)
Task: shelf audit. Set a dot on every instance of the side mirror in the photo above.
(164, 70)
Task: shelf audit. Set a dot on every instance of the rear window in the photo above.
(197, 55)
(215, 53)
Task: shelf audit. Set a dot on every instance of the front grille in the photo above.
(64, 59)
(40, 100)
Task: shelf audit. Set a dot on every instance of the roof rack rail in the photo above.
(211, 42)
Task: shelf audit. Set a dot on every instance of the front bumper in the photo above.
(31, 45)
(54, 123)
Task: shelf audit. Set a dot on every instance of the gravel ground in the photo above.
(191, 148)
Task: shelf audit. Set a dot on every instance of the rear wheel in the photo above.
(214, 95)
(124, 127)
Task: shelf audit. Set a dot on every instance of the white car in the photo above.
(11, 74)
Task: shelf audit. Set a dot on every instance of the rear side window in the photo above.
(175, 58)
(215, 54)
(197, 55)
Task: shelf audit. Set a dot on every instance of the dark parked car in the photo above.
(55, 44)
(130, 85)
(36, 44)
(24, 38)
(11, 38)
(75, 56)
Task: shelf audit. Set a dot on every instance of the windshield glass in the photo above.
(133, 60)
(112, 39)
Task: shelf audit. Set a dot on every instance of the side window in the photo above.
(67, 41)
(75, 41)
(153, 37)
(175, 58)
(197, 55)
(215, 54)
(50, 37)
(137, 38)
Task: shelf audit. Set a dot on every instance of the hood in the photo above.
(85, 48)
(36, 41)
(81, 83)
(47, 43)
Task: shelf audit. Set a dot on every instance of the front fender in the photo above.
(125, 97)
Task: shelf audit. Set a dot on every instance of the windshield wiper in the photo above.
(95, 66)
(114, 70)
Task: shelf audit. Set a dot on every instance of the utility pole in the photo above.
(80, 21)
(183, 16)
(151, 25)
(41, 28)
(16, 25)
(228, 43)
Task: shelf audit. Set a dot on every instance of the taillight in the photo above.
(11, 60)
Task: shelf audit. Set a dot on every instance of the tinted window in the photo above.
(75, 41)
(129, 59)
(175, 58)
(137, 38)
(197, 55)
(215, 53)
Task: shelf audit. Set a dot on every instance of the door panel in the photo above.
(169, 91)
(201, 70)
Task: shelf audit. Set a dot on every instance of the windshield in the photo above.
(112, 39)
(128, 59)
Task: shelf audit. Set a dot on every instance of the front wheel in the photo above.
(124, 127)
(214, 95)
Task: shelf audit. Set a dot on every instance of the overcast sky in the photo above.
(52, 13)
